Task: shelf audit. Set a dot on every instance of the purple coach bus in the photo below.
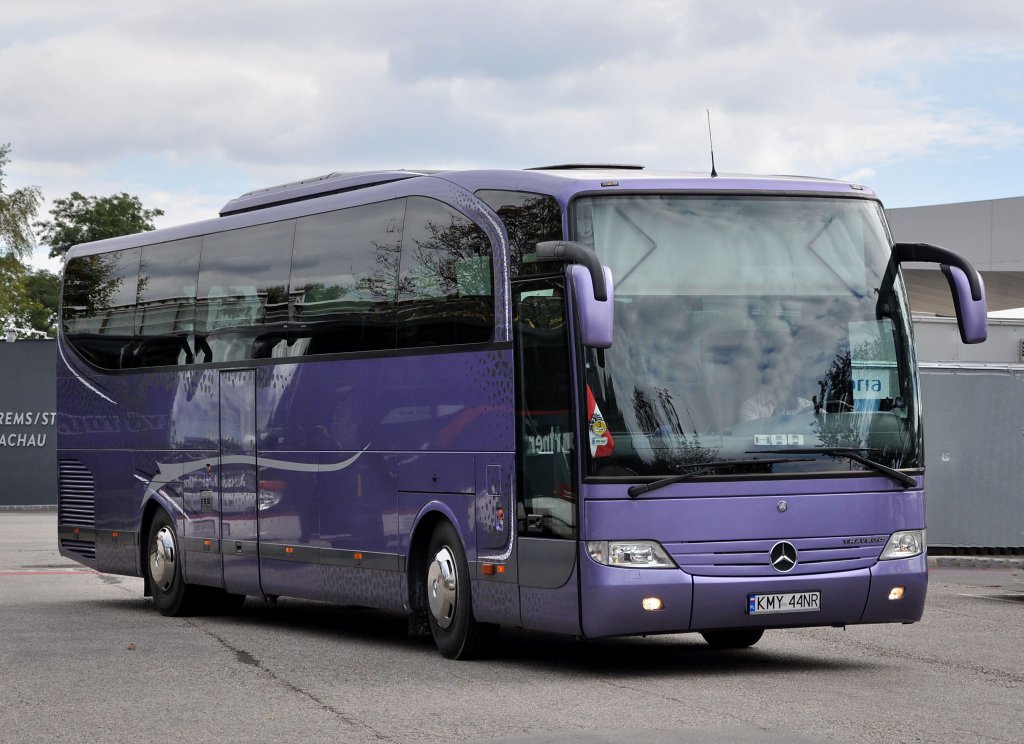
(591, 400)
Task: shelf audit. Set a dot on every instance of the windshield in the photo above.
(744, 326)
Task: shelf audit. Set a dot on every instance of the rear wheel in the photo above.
(456, 632)
(171, 595)
(732, 638)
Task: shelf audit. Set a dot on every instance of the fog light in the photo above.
(653, 604)
(896, 592)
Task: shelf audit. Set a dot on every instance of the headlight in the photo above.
(904, 544)
(630, 554)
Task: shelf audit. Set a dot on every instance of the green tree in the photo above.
(17, 210)
(82, 219)
(42, 290)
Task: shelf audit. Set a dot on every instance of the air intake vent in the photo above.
(76, 495)
(80, 547)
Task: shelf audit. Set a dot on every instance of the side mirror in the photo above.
(593, 288)
(965, 283)
(597, 317)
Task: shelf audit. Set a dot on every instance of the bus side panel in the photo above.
(359, 529)
(118, 496)
(92, 441)
(552, 610)
(288, 523)
(87, 416)
(367, 587)
(496, 594)
(199, 524)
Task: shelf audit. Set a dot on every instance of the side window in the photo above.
(344, 272)
(242, 298)
(546, 498)
(99, 306)
(529, 219)
(166, 313)
(445, 293)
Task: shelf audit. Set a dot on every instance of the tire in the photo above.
(171, 595)
(456, 632)
(732, 638)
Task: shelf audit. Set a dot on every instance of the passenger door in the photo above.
(546, 492)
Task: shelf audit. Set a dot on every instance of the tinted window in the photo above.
(343, 279)
(242, 302)
(529, 219)
(445, 291)
(99, 306)
(166, 313)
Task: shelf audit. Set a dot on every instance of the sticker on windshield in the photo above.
(778, 440)
(601, 442)
(872, 360)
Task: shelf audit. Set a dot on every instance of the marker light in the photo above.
(629, 554)
(897, 592)
(904, 544)
(653, 604)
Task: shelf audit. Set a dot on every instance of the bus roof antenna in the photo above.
(714, 173)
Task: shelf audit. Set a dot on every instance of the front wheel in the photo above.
(732, 638)
(456, 632)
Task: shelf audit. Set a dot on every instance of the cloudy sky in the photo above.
(187, 104)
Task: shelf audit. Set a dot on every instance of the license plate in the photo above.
(770, 604)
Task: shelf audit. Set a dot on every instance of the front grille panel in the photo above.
(750, 557)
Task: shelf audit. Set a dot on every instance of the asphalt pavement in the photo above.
(83, 655)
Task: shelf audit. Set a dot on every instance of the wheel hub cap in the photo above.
(443, 588)
(162, 559)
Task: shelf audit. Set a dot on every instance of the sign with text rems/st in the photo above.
(28, 437)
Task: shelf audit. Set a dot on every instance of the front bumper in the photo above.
(611, 598)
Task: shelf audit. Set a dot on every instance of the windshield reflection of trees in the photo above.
(672, 386)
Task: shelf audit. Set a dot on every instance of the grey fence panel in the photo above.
(28, 446)
(974, 437)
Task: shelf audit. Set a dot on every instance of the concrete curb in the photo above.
(28, 508)
(975, 561)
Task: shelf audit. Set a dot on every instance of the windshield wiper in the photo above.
(707, 467)
(854, 454)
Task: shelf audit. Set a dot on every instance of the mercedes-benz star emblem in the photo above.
(783, 556)
(782, 506)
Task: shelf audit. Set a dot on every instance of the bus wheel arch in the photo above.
(416, 572)
(151, 507)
